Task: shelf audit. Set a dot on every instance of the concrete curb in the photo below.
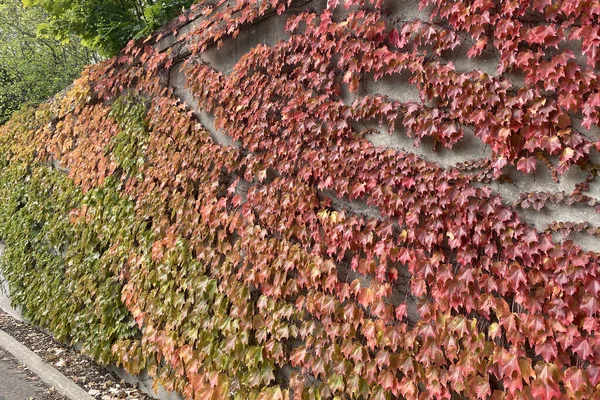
(48, 374)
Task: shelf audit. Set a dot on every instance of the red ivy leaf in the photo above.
(575, 379)
(582, 348)
(527, 164)
(401, 311)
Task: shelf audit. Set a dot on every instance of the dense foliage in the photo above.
(245, 274)
(106, 26)
(33, 68)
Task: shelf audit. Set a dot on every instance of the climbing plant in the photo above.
(243, 267)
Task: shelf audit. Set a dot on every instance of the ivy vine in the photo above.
(236, 271)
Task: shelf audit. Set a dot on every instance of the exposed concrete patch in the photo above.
(541, 181)
(144, 382)
(394, 86)
(406, 10)
(224, 58)
(177, 82)
(467, 148)
(5, 303)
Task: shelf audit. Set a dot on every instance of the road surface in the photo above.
(17, 383)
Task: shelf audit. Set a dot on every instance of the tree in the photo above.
(33, 68)
(106, 25)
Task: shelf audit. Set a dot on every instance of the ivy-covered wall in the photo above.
(234, 205)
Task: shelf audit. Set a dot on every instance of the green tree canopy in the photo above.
(106, 25)
(33, 68)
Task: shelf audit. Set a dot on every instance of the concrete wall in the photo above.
(271, 30)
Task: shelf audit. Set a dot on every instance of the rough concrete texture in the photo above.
(177, 82)
(144, 383)
(5, 303)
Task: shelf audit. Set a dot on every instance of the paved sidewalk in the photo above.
(18, 383)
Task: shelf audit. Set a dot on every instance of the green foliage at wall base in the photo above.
(61, 274)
